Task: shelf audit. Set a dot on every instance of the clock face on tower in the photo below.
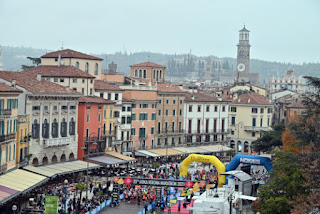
(241, 67)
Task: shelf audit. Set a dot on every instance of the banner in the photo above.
(51, 204)
(158, 182)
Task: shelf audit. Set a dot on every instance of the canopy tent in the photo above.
(120, 156)
(107, 160)
(191, 150)
(61, 168)
(145, 153)
(166, 151)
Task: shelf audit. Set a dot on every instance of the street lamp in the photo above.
(240, 124)
(87, 141)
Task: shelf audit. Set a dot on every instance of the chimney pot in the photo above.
(13, 83)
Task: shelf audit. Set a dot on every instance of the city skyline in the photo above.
(279, 31)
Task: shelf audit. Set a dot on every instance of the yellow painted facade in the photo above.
(108, 124)
(23, 138)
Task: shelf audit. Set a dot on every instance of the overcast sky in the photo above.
(284, 31)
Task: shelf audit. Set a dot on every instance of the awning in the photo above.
(107, 160)
(215, 148)
(18, 181)
(120, 156)
(191, 150)
(145, 153)
(61, 168)
(166, 151)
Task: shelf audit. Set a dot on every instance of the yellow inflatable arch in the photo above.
(204, 159)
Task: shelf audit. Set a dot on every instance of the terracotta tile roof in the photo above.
(94, 99)
(200, 97)
(148, 64)
(58, 71)
(165, 87)
(126, 100)
(7, 88)
(252, 98)
(296, 105)
(68, 53)
(103, 85)
(31, 84)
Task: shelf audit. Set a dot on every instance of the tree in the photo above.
(286, 182)
(35, 62)
(269, 139)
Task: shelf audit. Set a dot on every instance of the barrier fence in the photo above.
(103, 205)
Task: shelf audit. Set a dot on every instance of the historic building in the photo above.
(148, 71)
(169, 116)
(23, 139)
(53, 114)
(67, 57)
(8, 126)
(67, 76)
(243, 59)
(205, 119)
(249, 115)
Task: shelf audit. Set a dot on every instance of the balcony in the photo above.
(4, 113)
(171, 132)
(4, 138)
(205, 132)
(110, 133)
(143, 136)
(256, 129)
(57, 142)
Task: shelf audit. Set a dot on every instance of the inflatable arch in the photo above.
(204, 159)
(249, 159)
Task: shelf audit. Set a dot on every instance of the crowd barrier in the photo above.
(103, 205)
(150, 207)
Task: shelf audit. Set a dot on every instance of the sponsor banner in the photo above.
(250, 161)
(51, 204)
(158, 182)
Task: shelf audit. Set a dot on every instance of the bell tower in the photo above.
(243, 56)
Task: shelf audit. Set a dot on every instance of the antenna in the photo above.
(61, 44)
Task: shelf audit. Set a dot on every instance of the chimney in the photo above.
(59, 60)
(13, 83)
(192, 97)
(67, 88)
(39, 77)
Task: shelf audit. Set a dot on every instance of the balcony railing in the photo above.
(210, 131)
(255, 128)
(57, 142)
(143, 136)
(171, 132)
(5, 112)
(4, 138)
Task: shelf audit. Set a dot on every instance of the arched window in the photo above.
(72, 127)
(35, 129)
(63, 131)
(144, 74)
(35, 162)
(45, 160)
(96, 69)
(136, 73)
(71, 157)
(45, 129)
(54, 159)
(140, 73)
(77, 64)
(55, 126)
(87, 68)
(63, 158)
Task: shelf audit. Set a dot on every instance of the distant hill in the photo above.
(14, 57)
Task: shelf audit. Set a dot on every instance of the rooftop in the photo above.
(94, 99)
(58, 71)
(103, 85)
(251, 98)
(31, 84)
(7, 88)
(165, 87)
(200, 97)
(244, 29)
(148, 64)
(68, 53)
(296, 105)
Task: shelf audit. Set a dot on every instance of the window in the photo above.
(82, 80)
(167, 112)
(129, 108)
(46, 108)
(174, 101)
(153, 116)
(167, 101)
(233, 109)
(82, 90)
(136, 73)
(143, 116)
(159, 112)
(208, 108)
(64, 107)
(116, 96)
(55, 108)
(268, 122)
(254, 121)
(55, 126)
(74, 89)
(144, 74)
(143, 105)
(55, 80)
(105, 113)
(45, 129)
(123, 120)
(99, 107)
(123, 108)
(35, 129)
(61, 80)
(261, 110)
(116, 114)
(63, 128)
(77, 64)
(99, 117)
(133, 116)
(180, 112)
(199, 108)
(88, 107)
(190, 108)
(233, 121)
(133, 105)
(269, 110)
(180, 101)
(253, 134)
(128, 120)
(109, 96)
(152, 130)
(88, 118)
(154, 106)
(232, 132)
(261, 122)
(160, 101)
(215, 108)
(86, 69)
(96, 69)
(174, 112)
(90, 91)
(254, 110)
(159, 127)
(35, 108)
(223, 108)
(75, 80)
(72, 127)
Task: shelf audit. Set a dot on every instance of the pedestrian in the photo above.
(179, 206)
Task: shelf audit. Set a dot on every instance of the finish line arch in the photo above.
(204, 159)
(249, 159)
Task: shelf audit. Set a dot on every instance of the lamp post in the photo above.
(240, 124)
(87, 140)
